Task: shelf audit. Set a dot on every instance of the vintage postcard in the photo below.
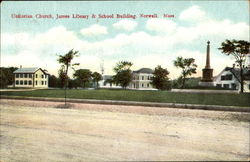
(125, 80)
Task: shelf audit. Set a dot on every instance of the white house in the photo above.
(142, 79)
(31, 78)
(230, 78)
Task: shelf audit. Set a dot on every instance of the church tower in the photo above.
(207, 72)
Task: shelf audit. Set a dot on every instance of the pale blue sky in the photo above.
(145, 42)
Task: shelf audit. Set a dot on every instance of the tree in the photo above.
(6, 76)
(123, 73)
(54, 81)
(188, 68)
(160, 78)
(66, 63)
(96, 78)
(3, 80)
(109, 81)
(74, 83)
(238, 49)
(84, 75)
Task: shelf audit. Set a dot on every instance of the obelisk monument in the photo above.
(207, 72)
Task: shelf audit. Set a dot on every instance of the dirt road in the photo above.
(42, 131)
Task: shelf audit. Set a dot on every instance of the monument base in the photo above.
(206, 84)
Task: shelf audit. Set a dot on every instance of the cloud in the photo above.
(127, 25)
(193, 13)
(159, 43)
(161, 25)
(94, 30)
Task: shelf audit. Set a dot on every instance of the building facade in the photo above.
(142, 79)
(31, 78)
(229, 79)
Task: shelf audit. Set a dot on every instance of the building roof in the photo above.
(29, 70)
(144, 70)
(236, 73)
(105, 77)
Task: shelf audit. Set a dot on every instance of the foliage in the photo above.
(54, 81)
(239, 49)
(66, 63)
(160, 78)
(109, 81)
(123, 73)
(122, 65)
(6, 76)
(190, 82)
(96, 78)
(74, 83)
(188, 68)
(84, 75)
(62, 78)
(123, 78)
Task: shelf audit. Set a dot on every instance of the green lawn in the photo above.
(146, 96)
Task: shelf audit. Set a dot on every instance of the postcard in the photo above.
(139, 80)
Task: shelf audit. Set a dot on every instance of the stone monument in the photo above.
(207, 72)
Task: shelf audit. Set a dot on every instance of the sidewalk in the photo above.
(134, 103)
(204, 91)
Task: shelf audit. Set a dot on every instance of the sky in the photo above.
(146, 42)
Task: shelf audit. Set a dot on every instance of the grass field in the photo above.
(144, 96)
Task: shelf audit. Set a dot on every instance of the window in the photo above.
(45, 82)
(148, 77)
(42, 76)
(226, 86)
(17, 82)
(36, 82)
(248, 86)
(36, 75)
(42, 82)
(142, 78)
(30, 75)
(142, 85)
(233, 86)
(218, 85)
(25, 75)
(30, 82)
(148, 84)
(21, 82)
(21, 75)
(227, 77)
(45, 76)
(25, 82)
(17, 75)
